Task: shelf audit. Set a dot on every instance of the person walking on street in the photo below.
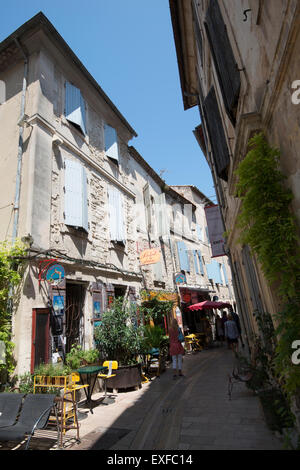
(224, 320)
(176, 348)
(219, 329)
(232, 333)
(235, 318)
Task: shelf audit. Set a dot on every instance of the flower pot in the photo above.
(126, 377)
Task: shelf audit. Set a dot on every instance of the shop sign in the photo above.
(55, 274)
(151, 256)
(180, 278)
(215, 230)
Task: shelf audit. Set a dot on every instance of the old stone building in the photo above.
(86, 203)
(64, 160)
(238, 63)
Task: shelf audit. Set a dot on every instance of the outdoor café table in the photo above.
(88, 375)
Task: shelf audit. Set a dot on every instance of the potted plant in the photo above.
(156, 342)
(119, 338)
(77, 357)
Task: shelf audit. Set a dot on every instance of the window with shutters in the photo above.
(161, 214)
(223, 57)
(111, 143)
(2, 92)
(198, 35)
(252, 279)
(214, 272)
(183, 256)
(75, 107)
(76, 199)
(148, 208)
(196, 262)
(116, 216)
(201, 262)
(216, 133)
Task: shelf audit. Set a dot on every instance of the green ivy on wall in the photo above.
(10, 278)
(269, 228)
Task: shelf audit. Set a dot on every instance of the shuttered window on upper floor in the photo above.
(111, 143)
(223, 57)
(76, 200)
(183, 256)
(75, 107)
(198, 34)
(216, 133)
(214, 272)
(116, 216)
(200, 262)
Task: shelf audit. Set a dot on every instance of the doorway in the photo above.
(74, 315)
(40, 346)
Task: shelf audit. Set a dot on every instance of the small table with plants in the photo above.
(88, 375)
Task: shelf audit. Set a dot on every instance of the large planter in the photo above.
(126, 377)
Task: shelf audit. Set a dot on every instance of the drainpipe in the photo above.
(20, 147)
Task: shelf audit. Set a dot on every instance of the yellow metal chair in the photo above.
(112, 366)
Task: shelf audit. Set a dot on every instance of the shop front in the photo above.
(197, 322)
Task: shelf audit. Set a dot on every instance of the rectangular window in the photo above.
(196, 262)
(225, 64)
(116, 216)
(111, 143)
(183, 256)
(75, 107)
(76, 200)
(200, 262)
(216, 133)
(214, 272)
(148, 208)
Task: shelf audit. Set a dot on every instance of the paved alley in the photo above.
(190, 413)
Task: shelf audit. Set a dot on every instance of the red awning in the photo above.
(208, 304)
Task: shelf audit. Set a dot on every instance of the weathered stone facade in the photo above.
(250, 62)
(83, 207)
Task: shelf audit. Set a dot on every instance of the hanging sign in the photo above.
(55, 274)
(215, 230)
(151, 256)
(180, 278)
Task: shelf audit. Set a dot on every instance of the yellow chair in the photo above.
(111, 365)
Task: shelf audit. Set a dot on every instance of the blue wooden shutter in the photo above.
(111, 143)
(163, 227)
(116, 215)
(196, 262)
(75, 107)
(199, 233)
(225, 275)
(214, 272)
(76, 209)
(183, 256)
(201, 262)
(85, 219)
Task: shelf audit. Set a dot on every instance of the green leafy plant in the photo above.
(78, 357)
(118, 338)
(266, 222)
(154, 337)
(52, 370)
(11, 270)
(269, 228)
(153, 308)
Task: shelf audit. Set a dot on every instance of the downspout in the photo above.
(20, 148)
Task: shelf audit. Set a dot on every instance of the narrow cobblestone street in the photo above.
(190, 413)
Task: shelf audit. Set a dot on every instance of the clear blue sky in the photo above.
(128, 47)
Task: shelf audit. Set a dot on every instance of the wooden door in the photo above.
(40, 346)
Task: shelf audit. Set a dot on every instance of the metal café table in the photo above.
(88, 375)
